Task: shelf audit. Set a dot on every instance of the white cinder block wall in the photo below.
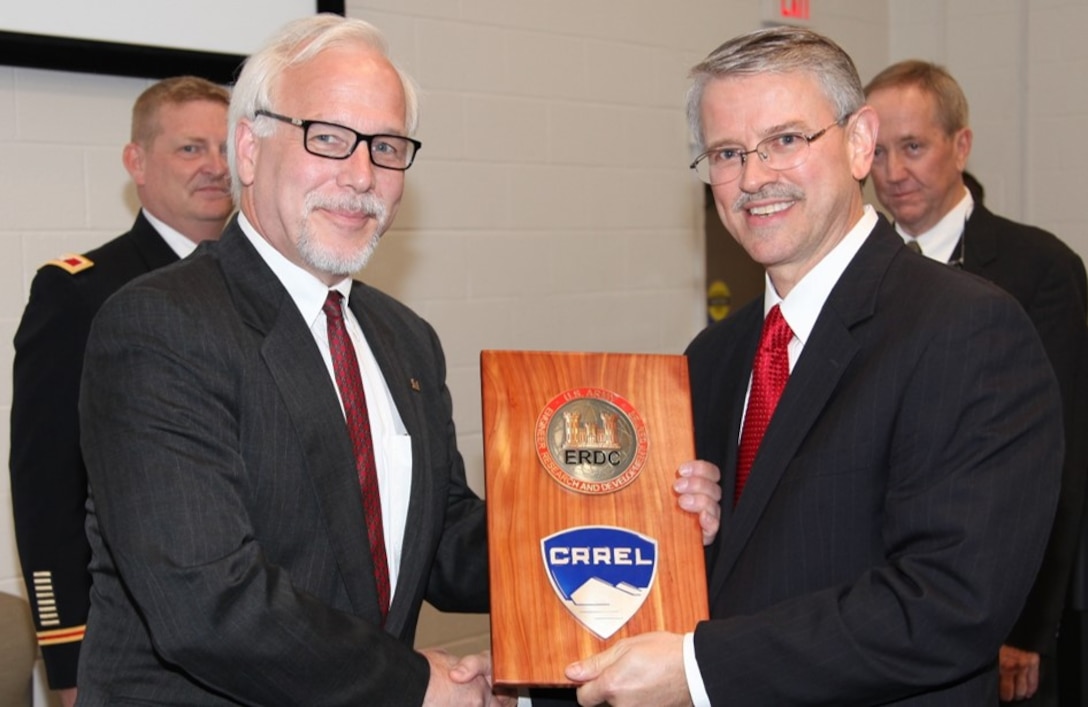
(552, 179)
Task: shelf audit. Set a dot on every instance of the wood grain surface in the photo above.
(533, 634)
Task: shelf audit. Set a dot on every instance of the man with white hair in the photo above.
(262, 533)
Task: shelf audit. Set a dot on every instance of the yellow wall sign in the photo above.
(718, 300)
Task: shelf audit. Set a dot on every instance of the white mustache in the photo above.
(366, 204)
(771, 191)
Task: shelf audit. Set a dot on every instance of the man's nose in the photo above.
(357, 171)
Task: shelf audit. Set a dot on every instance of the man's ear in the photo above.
(134, 159)
(862, 130)
(961, 144)
(246, 147)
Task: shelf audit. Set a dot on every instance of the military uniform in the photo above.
(48, 478)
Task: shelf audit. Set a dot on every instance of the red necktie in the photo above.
(769, 375)
(349, 380)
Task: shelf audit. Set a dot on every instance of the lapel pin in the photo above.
(415, 384)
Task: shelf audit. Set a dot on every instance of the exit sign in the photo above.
(791, 12)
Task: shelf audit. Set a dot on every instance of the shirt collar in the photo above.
(306, 291)
(939, 242)
(181, 245)
(803, 304)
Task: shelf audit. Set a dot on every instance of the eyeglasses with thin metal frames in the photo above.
(793, 153)
(388, 151)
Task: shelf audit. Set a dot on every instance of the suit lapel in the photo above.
(300, 374)
(980, 248)
(726, 407)
(728, 402)
(827, 355)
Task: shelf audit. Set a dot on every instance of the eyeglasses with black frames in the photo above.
(338, 142)
(725, 163)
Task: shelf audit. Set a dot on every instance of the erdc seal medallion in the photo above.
(591, 440)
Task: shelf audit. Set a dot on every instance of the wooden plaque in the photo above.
(584, 530)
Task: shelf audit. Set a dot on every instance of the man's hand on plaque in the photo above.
(699, 492)
(643, 670)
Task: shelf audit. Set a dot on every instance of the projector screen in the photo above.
(146, 38)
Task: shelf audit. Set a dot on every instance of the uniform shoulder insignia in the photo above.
(72, 263)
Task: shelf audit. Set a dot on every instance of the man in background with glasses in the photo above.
(889, 429)
(918, 172)
(177, 159)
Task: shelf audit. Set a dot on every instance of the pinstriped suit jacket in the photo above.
(230, 559)
(898, 508)
(1047, 278)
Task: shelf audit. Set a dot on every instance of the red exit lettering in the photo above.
(794, 9)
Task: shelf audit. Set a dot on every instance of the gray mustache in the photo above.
(771, 191)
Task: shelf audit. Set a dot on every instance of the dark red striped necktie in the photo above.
(349, 381)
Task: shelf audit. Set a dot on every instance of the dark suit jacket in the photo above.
(230, 561)
(1048, 280)
(48, 478)
(900, 502)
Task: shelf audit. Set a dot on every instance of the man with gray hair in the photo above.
(889, 429)
(275, 481)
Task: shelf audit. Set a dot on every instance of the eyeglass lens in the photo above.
(337, 142)
(778, 152)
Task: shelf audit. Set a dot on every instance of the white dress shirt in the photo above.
(180, 244)
(392, 444)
